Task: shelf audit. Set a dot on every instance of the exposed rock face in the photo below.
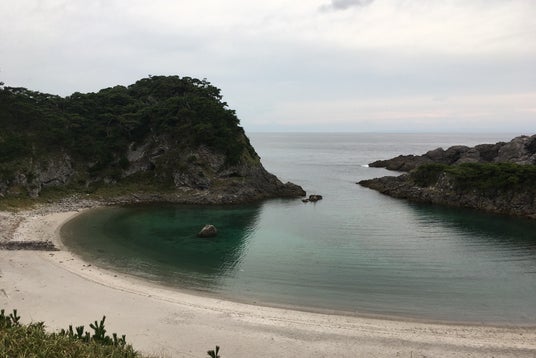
(197, 176)
(520, 150)
(161, 138)
(32, 177)
(208, 231)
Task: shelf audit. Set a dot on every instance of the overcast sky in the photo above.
(301, 65)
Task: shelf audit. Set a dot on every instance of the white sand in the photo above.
(61, 289)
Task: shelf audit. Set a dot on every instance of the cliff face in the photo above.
(520, 150)
(172, 137)
(498, 178)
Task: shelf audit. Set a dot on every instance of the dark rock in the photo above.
(315, 197)
(208, 231)
(28, 245)
(402, 163)
(520, 150)
(488, 151)
(453, 154)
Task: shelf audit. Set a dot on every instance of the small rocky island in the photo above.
(497, 178)
(163, 138)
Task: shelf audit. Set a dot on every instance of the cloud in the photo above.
(512, 112)
(277, 61)
(345, 4)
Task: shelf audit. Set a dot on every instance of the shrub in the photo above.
(18, 340)
(483, 177)
(428, 174)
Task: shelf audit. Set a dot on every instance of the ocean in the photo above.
(354, 252)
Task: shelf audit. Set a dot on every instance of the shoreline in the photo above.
(61, 289)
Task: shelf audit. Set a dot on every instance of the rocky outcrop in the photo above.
(445, 192)
(520, 150)
(35, 175)
(208, 231)
(315, 197)
(451, 188)
(161, 138)
(197, 176)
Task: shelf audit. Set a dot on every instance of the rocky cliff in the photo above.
(498, 178)
(162, 138)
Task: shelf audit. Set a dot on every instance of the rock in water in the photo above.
(315, 197)
(208, 231)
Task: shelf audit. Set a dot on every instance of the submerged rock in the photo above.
(208, 231)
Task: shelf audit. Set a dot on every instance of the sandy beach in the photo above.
(59, 288)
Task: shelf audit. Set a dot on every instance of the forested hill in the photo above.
(167, 133)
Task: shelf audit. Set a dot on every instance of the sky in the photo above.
(301, 65)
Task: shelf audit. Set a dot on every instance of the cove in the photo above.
(447, 267)
(356, 251)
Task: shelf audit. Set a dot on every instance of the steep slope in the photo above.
(162, 138)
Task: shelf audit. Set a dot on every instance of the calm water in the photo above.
(355, 251)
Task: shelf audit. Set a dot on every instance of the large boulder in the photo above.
(208, 231)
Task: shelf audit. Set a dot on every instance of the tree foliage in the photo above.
(98, 127)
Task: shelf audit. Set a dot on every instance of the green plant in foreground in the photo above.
(99, 334)
(214, 353)
(9, 321)
(31, 340)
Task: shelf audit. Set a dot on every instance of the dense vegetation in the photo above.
(96, 125)
(97, 130)
(482, 177)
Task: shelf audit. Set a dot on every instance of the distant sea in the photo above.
(354, 252)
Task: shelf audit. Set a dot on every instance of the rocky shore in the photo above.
(500, 189)
(254, 188)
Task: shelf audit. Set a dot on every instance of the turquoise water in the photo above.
(355, 251)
